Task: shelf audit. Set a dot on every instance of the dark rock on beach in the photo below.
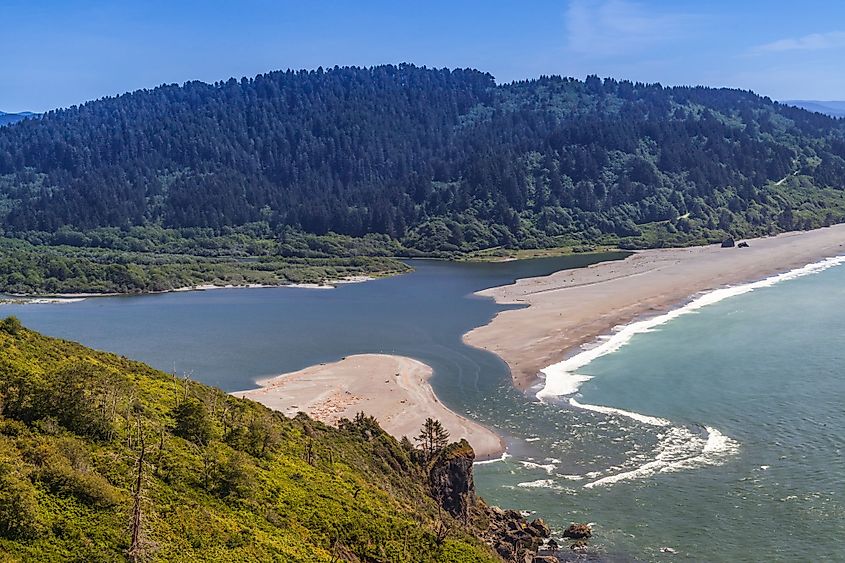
(728, 243)
(513, 538)
(540, 528)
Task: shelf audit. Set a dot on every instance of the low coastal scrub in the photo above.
(150, 259)
(104, 459)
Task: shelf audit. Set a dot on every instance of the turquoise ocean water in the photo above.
(738, 455)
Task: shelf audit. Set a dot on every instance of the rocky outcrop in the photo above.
(514, 538)
(450, 479)
(578, 532)
(510, 535)
(743, 244)
(728, 243)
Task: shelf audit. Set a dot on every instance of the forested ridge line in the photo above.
(440, 161)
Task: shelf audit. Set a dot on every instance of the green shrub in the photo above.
(89, 488)
(259, 437)
(64, 469)
(193, 422)
(82, 398)
(18, 505)
(234, 477)
(11, 326)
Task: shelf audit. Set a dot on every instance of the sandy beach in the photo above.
(571, 308)
(393, 389)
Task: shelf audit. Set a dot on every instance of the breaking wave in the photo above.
(562, 379)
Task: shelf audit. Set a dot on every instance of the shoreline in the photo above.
(561, 379)
(393, 389)
(61, 297)
(569, 311)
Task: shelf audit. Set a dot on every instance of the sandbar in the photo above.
(393, 389)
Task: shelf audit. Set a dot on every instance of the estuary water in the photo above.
(715, 436)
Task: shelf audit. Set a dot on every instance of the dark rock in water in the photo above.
(579, 546)
(728, 243)
(450, 479)
(578, 531)
(513, 538)
(743, 244)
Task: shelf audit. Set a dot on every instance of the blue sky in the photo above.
(57, 53)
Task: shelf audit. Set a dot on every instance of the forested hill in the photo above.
(439, 159)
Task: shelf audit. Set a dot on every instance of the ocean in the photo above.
(713, 434)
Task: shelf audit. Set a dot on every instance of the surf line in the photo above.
(561, 378)
(678, 448)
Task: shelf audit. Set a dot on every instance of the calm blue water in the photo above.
(765, 371)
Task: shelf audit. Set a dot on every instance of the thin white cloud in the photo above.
(617, 27)
(811, 42)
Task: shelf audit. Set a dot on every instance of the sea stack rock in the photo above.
(450, 479)
(728, 243)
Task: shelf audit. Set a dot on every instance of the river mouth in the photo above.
(734, 368)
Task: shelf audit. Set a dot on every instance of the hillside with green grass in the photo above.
(105, 459)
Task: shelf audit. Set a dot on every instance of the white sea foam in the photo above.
(503, 457)
(549, 468)
(562, 379)
(538, 484)
(678, 449)
(645, 419)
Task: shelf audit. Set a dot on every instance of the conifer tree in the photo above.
(432, 438)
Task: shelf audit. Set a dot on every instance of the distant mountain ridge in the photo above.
(832, 108)
(9, 118)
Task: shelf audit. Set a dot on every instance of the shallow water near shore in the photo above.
(736, 454)
(719, 435)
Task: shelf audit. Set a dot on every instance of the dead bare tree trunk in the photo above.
(136, 548)
(309, 452)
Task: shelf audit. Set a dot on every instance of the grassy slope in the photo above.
(69, 445)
